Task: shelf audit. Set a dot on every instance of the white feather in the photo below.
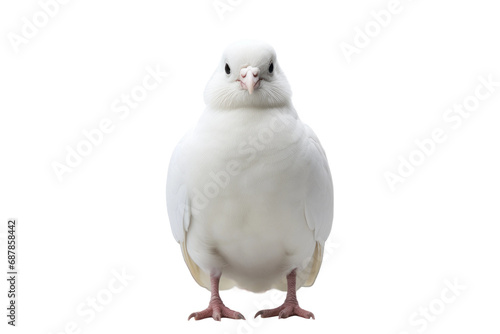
(256, 223)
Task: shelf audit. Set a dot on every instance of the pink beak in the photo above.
(249, 78)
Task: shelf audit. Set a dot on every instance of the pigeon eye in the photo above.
(227, 69)
(271, 68)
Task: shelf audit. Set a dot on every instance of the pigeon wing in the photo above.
(180, 215)
(179, 211)
(318, 206)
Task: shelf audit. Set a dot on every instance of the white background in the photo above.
(392, 250)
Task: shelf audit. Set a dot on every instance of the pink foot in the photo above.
(291, 306)
(286, 310)
(217, 310)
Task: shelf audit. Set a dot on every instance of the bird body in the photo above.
(249, 190)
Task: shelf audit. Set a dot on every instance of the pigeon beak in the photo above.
(249, 78)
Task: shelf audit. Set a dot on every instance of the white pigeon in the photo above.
(249, 190)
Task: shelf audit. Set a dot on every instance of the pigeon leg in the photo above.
(291, 306)
(216, 308)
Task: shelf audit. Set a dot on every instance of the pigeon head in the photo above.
(248, 76)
